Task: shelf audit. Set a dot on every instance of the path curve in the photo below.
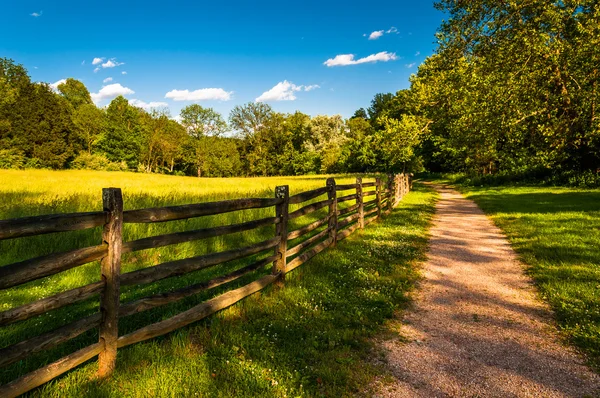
(477, 328)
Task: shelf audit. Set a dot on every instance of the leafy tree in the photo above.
(249, 118)
(75, 92)
(201, 123)
(89, 122)
(123, 137)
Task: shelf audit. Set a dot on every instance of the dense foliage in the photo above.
(510, 91)
(43, 128)
(512, 88)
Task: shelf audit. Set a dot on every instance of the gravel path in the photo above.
(477, 328)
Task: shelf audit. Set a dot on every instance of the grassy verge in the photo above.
(556, 232)
(310, 338)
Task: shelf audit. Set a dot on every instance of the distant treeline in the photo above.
(511, 92)
(43, 128)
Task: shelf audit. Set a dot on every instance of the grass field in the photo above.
(556, 232)
(234, 335)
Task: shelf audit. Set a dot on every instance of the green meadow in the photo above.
(308, 338)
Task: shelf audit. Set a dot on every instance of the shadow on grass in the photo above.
(556, 232)
(309, 338)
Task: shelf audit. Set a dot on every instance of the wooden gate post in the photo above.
(111, 274)
(333, 216)
(281, 229)
(378, 190)
(360, 201)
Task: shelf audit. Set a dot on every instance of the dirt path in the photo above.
(477, 329)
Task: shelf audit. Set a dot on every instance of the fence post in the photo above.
(378, 189)
(333, 217)
(390, 187)
(360, 201)
(281, 229)
(111, 273)
(398, 189)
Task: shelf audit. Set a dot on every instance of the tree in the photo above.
(75, 92)
(249, 118)
(123, 137)
(201, 123)
(90, 123)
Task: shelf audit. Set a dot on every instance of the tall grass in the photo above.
(36, 192)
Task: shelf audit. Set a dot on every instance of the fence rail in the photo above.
(340, 223)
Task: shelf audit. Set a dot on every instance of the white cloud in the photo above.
(96, 70)
(83, 62)
(36, 14)
(411, 65)
(123, 73)
(147, 105)
(284, 91)
(111, 63)
(417, 53)
(55, 85)
(392, 30)
(348, 59)
(111, 91)
(202, 94)
(376, 35)
(97, 61)
(107, 80)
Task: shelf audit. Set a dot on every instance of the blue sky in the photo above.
(292, 55)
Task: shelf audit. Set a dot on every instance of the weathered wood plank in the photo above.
(372, 211)
(310, 241)
(39, 225)
(309, 209)
(161, 299)
(346, 232)
(369, 184)
(45, 341)
(196, 313)
(184, 266)
(40, 376)
(369, 193)
(188, 236)
(162, 214)
(347, 197)
(308, 228)
(39, 267)
(348, 220)
(370, 220)
(110, 268)
(49, 303)
(304, 257)
(348, 209)
(308, 195)
(345, 187)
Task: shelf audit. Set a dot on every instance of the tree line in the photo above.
(44, 128)
(512, 89)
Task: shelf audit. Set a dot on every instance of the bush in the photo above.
(86, 161)
(12, 159)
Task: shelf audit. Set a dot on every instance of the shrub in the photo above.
(12, 159)
(96, 162)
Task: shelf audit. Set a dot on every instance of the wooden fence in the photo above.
(339, 224)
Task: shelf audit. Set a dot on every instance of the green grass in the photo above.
(310, 338)
(556, 232)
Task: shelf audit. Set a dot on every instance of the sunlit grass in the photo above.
(309, 338)
(556, 232)
(27, 193)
